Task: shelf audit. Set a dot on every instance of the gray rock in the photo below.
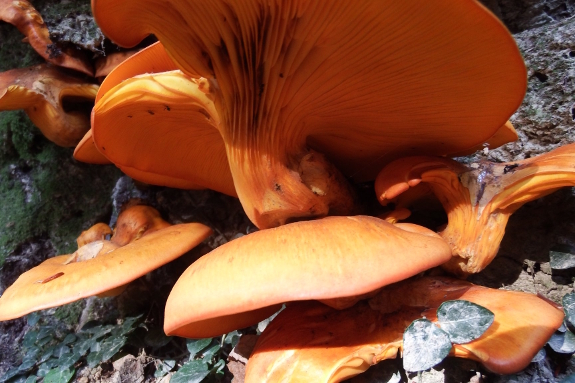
(520, 15)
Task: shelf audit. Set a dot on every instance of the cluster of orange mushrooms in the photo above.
(286, 105)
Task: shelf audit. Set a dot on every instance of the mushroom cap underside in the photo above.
(362, 83)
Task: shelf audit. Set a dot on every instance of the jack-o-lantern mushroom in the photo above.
(310, 342)
(98, 232)
(478, 199)
(29, 22)
(56, 102)
(304, 90)
(142, 242)
(338, 260)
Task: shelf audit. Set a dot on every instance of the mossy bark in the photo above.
(45, 193)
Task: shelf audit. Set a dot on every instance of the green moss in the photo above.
(13, 52)
(44, 191)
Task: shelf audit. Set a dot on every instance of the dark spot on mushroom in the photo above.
(281, 75)
(204, 112)
(151, 112)
(129, 116)
(208, 59)
(278, 187)
(540, 76)
(35, 109)
(509, 168)
(103, 148)
(51, 278)
(167, 107)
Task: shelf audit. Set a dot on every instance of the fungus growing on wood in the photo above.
(96, 268)
(57, 103)
(29, 22)
(337, 260)
(478, 199)
(306, 89)
(310, 342)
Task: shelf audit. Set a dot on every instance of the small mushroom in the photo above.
(478, 199)
(308, 93)
(98, 232)
(135, 222)
(310, 342)
(29, 22)
(96, 268)
(338, 260)
(57, 103)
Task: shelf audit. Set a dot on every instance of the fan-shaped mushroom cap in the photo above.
(24, 16)
(151, 59)
(337, 260)
(310, 342)
(361, 83)
(98, 232)
(59, 280)
(160, 107)
(135, 222)
(478, 200)
(54, 101)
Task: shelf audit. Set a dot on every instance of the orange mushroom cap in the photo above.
(135, 222)
(98, 232)
(151, 59)
(310, 342)
(360, 83)
(478, 200)
(86, 151)
(54, 101)
(338, 260)
(26, 18)
(176, 101)
(59, 280)
(502, 136)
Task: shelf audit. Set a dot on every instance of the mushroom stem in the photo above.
(478, 199)
(273, 193)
